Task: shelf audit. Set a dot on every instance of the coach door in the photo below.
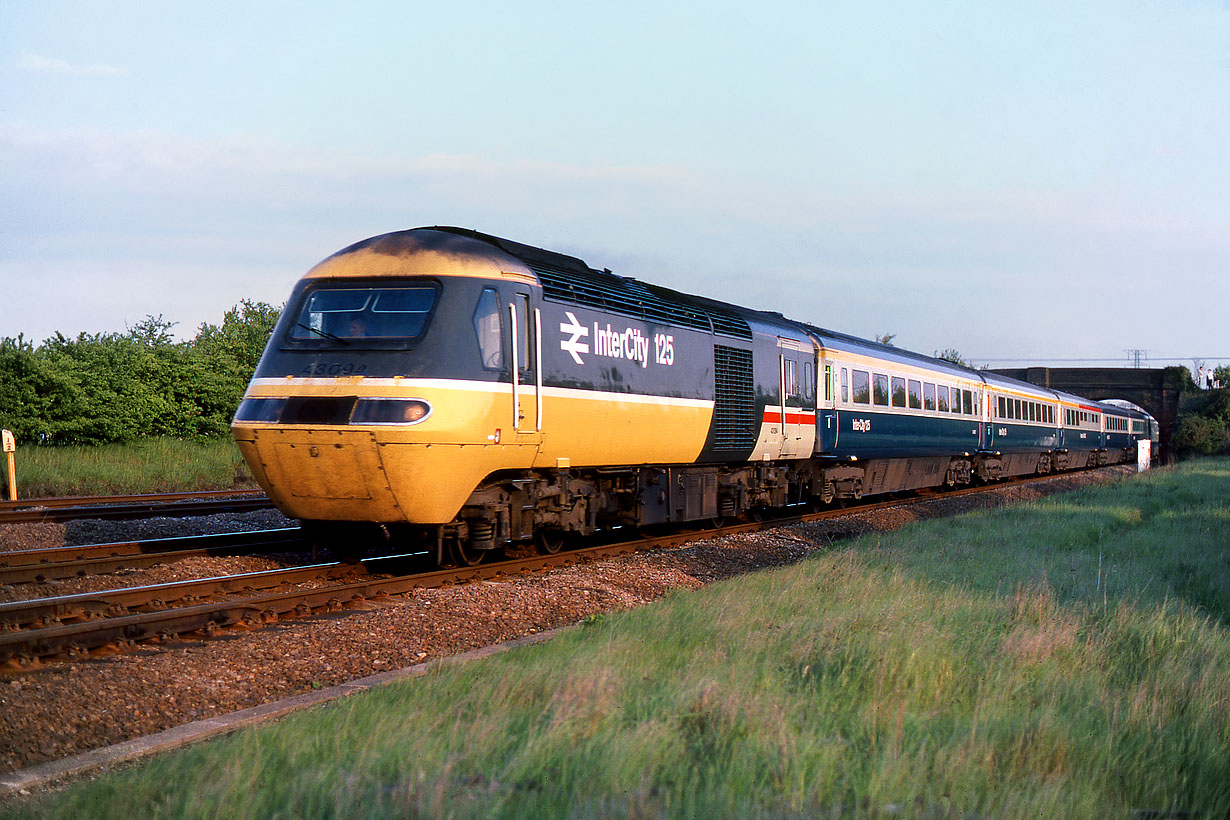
(525, 338)
(826, 415)
(797, 390)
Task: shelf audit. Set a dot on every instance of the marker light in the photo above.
(390, 411)
(266, 410)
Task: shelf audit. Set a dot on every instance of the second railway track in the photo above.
(42, 510)
(38, 565)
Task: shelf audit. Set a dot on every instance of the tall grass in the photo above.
(1066, 659)
(153, 465)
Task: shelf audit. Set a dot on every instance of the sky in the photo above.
(1021, 182)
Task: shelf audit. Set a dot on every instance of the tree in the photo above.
(242, 336)
(886, 338)
(233, 350)
(950, 354)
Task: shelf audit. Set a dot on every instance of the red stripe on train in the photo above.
(775, 417)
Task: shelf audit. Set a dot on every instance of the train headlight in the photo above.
(266, 410)
(389, 411)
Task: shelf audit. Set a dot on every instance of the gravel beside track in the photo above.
(72, 706)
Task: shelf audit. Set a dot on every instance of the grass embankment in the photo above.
(1068, 659)
(154, 465)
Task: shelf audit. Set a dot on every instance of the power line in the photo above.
(988, 359)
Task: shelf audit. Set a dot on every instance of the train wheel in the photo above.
(466, 557)
(549, 542)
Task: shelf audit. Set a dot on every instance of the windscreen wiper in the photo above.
(324, 333)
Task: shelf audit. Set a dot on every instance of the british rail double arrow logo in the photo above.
(572, 345)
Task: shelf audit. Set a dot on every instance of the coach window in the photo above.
(828, 382)
(487, 328)
(1001, 408)
(879, 393)
(845, 386)
(898, 391)
(941, 398)
(862, 387)
(967, 401)
(928, 396)
(956, 400)
(915, 392)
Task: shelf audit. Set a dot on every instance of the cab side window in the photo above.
(488, 329)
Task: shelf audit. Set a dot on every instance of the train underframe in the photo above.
(541, 509)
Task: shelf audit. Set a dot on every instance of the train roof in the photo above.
(994, 379)
(854, 344)
(568, 279)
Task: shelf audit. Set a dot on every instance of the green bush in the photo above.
(112, 387)
(1204, 421)
(1199, 435)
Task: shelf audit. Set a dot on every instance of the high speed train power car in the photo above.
(461, 392)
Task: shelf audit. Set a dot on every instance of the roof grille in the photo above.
(628, 297)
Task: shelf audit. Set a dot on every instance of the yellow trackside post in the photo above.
(10, 447)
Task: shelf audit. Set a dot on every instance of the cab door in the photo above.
(525, 341)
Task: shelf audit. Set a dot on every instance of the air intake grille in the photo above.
(734, 409)
(631, 298)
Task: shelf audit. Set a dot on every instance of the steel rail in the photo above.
(36, 566)
(22, 512)
(157, 498)
(39, 612)
(27, 646)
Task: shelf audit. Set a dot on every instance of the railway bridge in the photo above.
(1156, 390)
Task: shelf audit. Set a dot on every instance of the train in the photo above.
(449, 391)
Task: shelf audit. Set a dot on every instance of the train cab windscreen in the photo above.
(350, 316)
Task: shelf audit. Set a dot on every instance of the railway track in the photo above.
(171, 505)
(75, 625)
(39, 565)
